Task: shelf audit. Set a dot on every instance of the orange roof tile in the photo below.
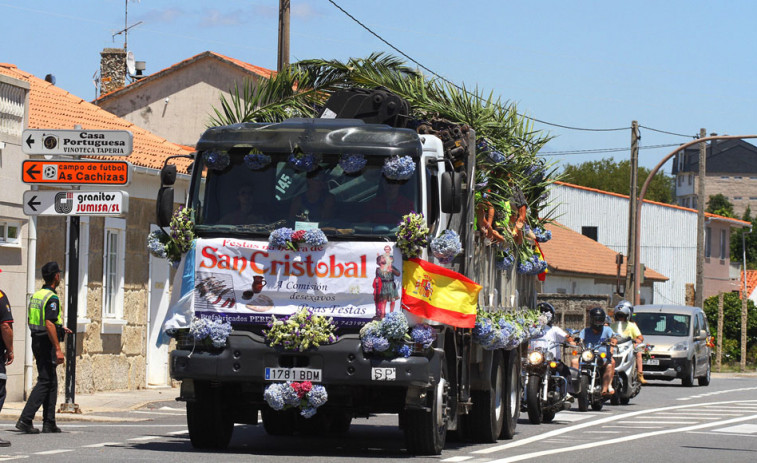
(733, 221)
(751, 281)
(51, 107)
(257, 70)
(572, 252)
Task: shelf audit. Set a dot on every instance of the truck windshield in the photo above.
(245, 201)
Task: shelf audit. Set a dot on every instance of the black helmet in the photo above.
(546, 307)
(597, 317)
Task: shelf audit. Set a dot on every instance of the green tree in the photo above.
(608, 175)
(732, 323)
(719, 204)
(743, 236)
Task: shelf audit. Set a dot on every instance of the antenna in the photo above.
(130, 63)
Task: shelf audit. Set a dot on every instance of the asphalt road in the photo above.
(665, 423)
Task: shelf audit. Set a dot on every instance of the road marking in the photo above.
(102, 444)
(144, 438)
(53, 452)
(654, 422)
(573, 417)
(708, 394)
(158, 413)
(456, 459)
(619, 440)
(628, 426)
(696, 417)
(742, 428)
(606, 432)
(177, 433)
(15, 457)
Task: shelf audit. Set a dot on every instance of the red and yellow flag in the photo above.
(439, 294)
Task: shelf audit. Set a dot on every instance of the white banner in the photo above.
(246, 282)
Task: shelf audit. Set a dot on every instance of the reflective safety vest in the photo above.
(37, 308)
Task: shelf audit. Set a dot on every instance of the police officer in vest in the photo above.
(47, 332)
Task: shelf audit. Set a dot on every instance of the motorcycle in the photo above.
(592, 360)
(626, 379)
(545, 390)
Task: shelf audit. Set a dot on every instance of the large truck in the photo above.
(233, 273)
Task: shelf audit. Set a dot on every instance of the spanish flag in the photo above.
(439, 294)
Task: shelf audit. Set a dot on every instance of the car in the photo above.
(679, 338)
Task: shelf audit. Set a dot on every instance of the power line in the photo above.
(669, 133)
(459, 87)
(603, 150)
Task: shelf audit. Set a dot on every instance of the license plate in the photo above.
(651, 362)
(293, 374)
(384, 374)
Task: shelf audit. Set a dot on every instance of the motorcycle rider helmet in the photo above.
(627, 305)
(546, 307)
(622, 314)
(597, 318)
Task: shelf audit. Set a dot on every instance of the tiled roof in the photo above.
(257, 70)
(751, 281)
(51, 107)
(572, 252)
(730, 220)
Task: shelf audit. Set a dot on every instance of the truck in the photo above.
(295, 174)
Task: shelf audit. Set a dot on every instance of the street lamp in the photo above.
(637, 247)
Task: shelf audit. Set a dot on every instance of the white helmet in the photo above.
(625, 308)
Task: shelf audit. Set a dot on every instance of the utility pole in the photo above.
(283, 58)
(632, 197)
(698, 299)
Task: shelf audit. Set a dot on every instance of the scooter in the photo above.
(626, 379)
(592, 361)
(545, 390)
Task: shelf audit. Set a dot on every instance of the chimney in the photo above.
(112, 69)
(713, 145)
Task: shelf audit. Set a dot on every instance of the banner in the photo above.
(247, 282)
(439, 294)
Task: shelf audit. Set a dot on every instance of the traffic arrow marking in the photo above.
(33, 203)
(32, 171)
(30, 141)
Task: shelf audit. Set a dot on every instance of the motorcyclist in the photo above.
(623, 322)
(552, 340)
(597, 332)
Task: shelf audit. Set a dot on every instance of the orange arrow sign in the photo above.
(76, 172)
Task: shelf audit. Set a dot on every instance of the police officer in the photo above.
(47, 331)
(6, 348)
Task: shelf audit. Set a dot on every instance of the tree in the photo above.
(719, 204)
(732, 323)
(749, 239)
(608, 175)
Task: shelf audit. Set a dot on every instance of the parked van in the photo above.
(679, 335)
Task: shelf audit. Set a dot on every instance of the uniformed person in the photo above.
(6, 348)
(47, 332)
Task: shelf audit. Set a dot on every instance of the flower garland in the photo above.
(531, 263)
(398, 168)
(505, 260)
(389, 338)
(446, 246)
(412, 235)
(287, 238)
(304, 162)
(352, 163)
(156, 243)
(256, 160)
(172, 246)
(210, 332)
(300, 331)
(305, 395)
(216, 160)
(507, 330)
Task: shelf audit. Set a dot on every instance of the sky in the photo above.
(674, 66)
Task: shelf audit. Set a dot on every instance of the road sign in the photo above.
(43, 172)
(77, 142)
(75, 202)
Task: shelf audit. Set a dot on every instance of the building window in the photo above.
(114, 256)
(737, 177)
(589, 232)
(752, 178)
(723, 242)
(694, 202)
(9, 232)
(753, 198)
(737, 198)
(707, 244)
(724, 177)
(680, 180)
(691, 178)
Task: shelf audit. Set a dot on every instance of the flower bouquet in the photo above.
(304, 162)
(389, 337)
(216, 160)
(412, 235)
(504, 260)
(398, 168)
(300, 331)
(210, 332)
(446, 246)
(256, 160)
(352, 163)
(172, 246)
(508, 329)
(287, 238)
(305, 395)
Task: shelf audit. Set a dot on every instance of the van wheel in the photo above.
(688, 379)
(705, 380)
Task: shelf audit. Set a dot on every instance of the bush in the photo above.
(732, 326)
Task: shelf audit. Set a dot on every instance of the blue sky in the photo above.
(673, 65)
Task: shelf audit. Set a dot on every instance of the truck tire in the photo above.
(340, 423)
(583, 396)
(487, 415)
(688, 374)
(209, 421)
(278, 423)
(533, 399)
(426, 430)
(513, 393)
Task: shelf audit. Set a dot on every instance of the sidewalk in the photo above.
(96, 406)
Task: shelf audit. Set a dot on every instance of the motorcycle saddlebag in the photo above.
(377, 106)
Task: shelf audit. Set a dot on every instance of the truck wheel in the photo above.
(705, 380)
(278, 423)
(209, 422)
(513, 393)
(426, 430)
(688, 378)
(487, 415)
(533, 399)
(583, 396)
(340, 423)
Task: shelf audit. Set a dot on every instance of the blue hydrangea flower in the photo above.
(423, 334)
(446, 246)
(380, 343)
(404, 351)
(217, 160)
(352, 163)
(315, 237)
(394, 326)
(398, 168)
(304, 162)
(372, 328)
(155, 244)
(290, 395)
(257, 161)
(317, 396)
(273, 396)
(280, 237)
(308, 412)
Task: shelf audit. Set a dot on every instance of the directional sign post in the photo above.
(41, 172)
(76, 202)
(77, 142)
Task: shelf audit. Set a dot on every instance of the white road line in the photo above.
(102, 444)
(654, 422)
(628, 426)
(695, 417)
(607, 419)
(15, 457)
(53, 452)
(619, 440)
(456, 459)
(606, 432)
(158, 413)
(730, 434)
(177, 433)
(144, 438)
(741, 428)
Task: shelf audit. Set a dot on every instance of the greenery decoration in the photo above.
(300, 331)
(412, 235)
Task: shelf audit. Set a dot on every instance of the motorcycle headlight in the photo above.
(587, 356)
(680, 346)
(535, 358)
(553, 364)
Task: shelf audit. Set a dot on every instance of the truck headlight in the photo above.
(587, 356)
(535, 358)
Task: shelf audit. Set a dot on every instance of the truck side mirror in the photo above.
(452, 194)
(164, 205)
(168, 175)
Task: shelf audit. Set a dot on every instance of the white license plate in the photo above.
(293, 374)
(651, 362)
(384, 374)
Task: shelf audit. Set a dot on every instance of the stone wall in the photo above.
(571, 309)
(112, 69)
